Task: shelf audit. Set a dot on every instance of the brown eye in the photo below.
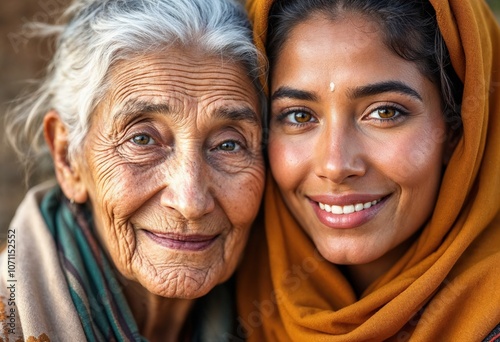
(302, 117)
(387, 113)
(296, 118)
(229, 146)
(142, 139)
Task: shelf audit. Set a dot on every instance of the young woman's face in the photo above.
(357, 138)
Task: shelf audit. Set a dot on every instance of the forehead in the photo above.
(351, 43)
(179, 79)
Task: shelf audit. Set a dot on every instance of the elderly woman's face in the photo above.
(173, 169)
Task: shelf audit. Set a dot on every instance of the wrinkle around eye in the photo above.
(149, 154)
(233, 162)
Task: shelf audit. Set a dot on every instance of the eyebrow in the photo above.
(238, 114)
(291, 93)
(384, 87)
(358, 92)
(135, 108)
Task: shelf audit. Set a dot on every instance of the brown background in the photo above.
(23, 58)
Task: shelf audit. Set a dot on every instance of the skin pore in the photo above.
(173, 170)
(360, 166)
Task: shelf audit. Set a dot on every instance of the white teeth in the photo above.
(337, 210)
(346, 209)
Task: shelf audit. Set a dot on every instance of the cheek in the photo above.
(113, 200)
(241, 196)
(289, 160)
(118, 190)
(414, 162)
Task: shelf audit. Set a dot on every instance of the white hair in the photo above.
(98, 33)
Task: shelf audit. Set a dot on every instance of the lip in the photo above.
(346, 221)
(192, 243)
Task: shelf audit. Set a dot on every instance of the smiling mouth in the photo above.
(183, 242)
(347, 209)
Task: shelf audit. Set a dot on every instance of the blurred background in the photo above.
(23, 58)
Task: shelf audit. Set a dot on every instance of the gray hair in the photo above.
(98, 33)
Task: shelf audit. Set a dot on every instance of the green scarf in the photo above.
(94, 288)
(96, 292)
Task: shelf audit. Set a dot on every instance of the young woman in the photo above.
(382, 213)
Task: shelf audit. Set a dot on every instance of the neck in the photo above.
(158, 318)
(363, 275)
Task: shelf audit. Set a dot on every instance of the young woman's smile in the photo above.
(357, 138)
(346, 211)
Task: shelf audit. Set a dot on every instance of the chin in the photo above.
(181, 282)
(350, 256)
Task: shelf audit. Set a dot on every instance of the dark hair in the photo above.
(410, 29)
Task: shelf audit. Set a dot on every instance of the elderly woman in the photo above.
(151, 113)
(382, 217)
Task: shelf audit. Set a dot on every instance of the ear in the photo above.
(67, 173)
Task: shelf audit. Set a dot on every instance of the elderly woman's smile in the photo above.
(186, 242)
(172, 166)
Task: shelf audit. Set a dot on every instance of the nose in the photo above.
(339, 156)
(188, 188)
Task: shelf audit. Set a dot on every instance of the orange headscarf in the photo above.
(446, 287)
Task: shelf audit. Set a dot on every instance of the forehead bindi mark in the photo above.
(332, 87)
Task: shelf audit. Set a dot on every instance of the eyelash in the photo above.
(401, 113)
(152, 141)
(283, 116)
(239, 146)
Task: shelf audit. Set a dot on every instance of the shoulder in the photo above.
(34, 295)
(9, 317)
(28, 213)
(16, 260)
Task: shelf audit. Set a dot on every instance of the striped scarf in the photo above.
(94, 288)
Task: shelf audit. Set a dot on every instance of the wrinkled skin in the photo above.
(172, 168)
(349, 143)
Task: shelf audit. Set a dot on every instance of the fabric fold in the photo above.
(446, 285)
